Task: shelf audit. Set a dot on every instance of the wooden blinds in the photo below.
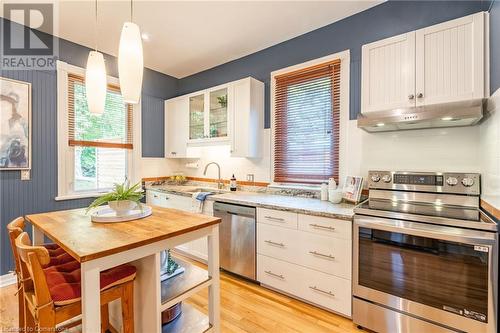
(112, 129)
(306, 126)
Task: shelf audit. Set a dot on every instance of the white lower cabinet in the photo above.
(197, 249)
(311, 263)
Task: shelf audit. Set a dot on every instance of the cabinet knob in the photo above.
(420, 95)
(411, 96)
(173, 153)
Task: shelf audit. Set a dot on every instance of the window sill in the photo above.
(302, 187)
(79, 196)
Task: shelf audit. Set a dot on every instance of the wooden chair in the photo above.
(45, 309)
(15, 228)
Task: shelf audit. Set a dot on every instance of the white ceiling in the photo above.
(186, 37)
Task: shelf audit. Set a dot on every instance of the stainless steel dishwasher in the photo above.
(237, 239)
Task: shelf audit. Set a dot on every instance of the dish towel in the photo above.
(198, 198)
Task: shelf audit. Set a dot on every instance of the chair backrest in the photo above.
(32, 258)
(15, 228)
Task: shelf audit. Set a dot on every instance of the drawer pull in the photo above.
(319, 226)
(274, 243)
(328, 256)
(275, 275)
(278, 219)
(329, 293)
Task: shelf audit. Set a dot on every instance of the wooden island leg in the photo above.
(91, 298)
(37, 236)
(213, 272)
(147, 293)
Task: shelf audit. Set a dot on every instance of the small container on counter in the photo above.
(324, 192)
(232, 183)
(335, 196)
(332, 184)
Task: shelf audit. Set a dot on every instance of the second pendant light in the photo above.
(130, 61)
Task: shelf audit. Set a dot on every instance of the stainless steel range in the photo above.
(425, 255)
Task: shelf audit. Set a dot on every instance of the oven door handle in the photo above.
(440, 232)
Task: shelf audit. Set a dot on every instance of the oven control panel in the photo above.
(438, 182)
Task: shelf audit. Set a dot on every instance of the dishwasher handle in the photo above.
(239, 210)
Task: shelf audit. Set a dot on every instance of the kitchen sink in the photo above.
(208, 189)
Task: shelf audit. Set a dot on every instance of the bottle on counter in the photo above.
(324, 191)
(232, 183)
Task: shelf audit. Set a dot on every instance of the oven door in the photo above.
(442, 274)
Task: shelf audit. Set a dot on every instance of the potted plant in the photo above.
(122, 199)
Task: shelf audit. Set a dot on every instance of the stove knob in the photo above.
(387, 178)
(452, 181)
(375, 178)
(467, 182)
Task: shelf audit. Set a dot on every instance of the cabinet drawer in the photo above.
(278, 274)
(277, 217)
(328, 291)
(276, 242)
(325, 226)
(331, 292)
(325, 254)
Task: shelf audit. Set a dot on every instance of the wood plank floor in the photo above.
(245, 307)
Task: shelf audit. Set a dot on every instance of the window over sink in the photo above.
(309, 104)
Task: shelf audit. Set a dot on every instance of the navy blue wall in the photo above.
(385, 20)
(495, 46)
(18, 197)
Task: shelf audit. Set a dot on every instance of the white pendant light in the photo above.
(95, 82)
(130, 61)
(95, 79)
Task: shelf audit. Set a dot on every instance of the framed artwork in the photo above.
(352, 189)
(15, 124)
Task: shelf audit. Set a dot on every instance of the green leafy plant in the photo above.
(222, 100)
(120, 192)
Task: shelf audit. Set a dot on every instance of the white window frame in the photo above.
(65, 152)
(345, 63)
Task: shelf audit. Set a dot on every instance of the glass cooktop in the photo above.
(421, 212)
(424, 209)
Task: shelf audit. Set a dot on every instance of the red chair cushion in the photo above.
(54, 249)
(65, 286)
(63, 258)
(66, 267)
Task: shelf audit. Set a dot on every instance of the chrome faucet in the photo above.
(220, 183)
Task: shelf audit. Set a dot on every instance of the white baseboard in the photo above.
(7, 279)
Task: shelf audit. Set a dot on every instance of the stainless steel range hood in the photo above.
(465, 113)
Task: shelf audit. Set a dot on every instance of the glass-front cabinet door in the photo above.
(197, 117)
(217, 114)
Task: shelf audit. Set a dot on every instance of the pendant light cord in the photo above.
(96, 28)
(131, 11)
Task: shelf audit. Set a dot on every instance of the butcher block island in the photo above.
(100, 246)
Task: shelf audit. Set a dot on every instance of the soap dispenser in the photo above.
(232, 183)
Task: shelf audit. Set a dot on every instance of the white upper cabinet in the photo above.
(450, 60)
(230, 114)
(388, 73)
(176, 127)
(247, 118)
(438, 64)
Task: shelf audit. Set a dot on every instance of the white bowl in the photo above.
(335, 196)
(122, 207)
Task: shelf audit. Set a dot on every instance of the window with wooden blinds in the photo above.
(112, 129)
(306, 124)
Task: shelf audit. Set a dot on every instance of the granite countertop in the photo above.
(280, 202)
